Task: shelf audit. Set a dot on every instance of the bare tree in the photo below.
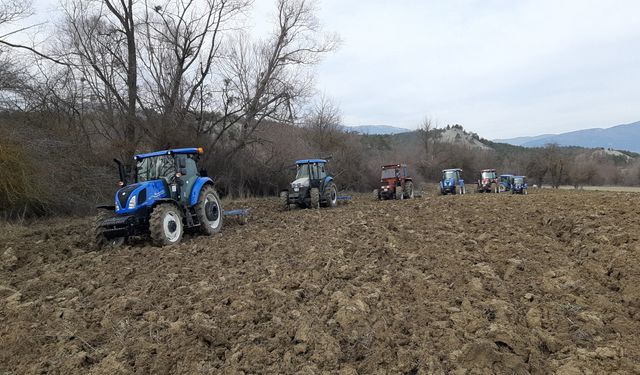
(323, 124)
(182, 41)
(268, 78)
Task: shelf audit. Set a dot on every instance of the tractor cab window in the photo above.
(322, 172)
(390, 173)
(154, 168)
(449, 175)
(489, 175)
(190, 164)
(518, 180)
(505, 179)
(303, 171)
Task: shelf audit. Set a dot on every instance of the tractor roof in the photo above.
(488, 170)
(191, 150)
(309, 161)
(452, 170)
(507, 175)
(520, 176)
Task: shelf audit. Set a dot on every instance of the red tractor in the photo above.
(489, 181)
(395, 183)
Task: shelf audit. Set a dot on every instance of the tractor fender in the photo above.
(461, 182)
(328, 179)
(197, 188)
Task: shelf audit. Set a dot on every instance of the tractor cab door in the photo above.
(188, 170)
(322, 175)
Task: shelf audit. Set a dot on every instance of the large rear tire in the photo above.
(209, 211)
(409, 190)
(399, 193)
(376, 195)
(331, 195)
(315, 198)
(165, 225)
(99, 238)
(284, 200)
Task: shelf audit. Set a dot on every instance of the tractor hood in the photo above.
(301, 182)
(449, 182)
(132, 197)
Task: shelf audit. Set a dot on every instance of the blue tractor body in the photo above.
(452, 182)
(520, 185)
(169, 192)
(313, 186)
(506, 182)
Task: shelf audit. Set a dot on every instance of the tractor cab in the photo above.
(168, 174)
(395, 183)
(506, 182)
(168, 195)
(519, 185)
(452, 182)
(312, 187)
(488, 182)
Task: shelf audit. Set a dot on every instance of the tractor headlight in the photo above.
(132, 202)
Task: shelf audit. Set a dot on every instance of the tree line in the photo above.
(114, 78)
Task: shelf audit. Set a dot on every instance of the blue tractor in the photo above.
(452, 182)
(505, 183)
(313, 186)
(519, 185)
(168, 195)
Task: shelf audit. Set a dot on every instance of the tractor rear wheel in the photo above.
(331, 195)
(165, 224)
(315, 197)
(284, 200)
(409, 192)
(399, 193)
(376, 195)
(209, 211)
(494, 188)
(98, 232)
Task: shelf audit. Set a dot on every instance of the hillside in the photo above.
(376, 129)
(621, 137)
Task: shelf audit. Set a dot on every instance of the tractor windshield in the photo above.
(390, 173)
(489, 175)
(155, 168)
(303, 171)
(446, 175)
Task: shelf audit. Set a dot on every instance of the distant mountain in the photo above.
(621, 137)
(377, 129)
(519, 141)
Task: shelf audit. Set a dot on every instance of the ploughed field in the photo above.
(481, 283)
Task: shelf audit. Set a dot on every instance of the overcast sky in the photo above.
(501, 68)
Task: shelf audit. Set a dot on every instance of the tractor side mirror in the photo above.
(182, 166)
(121, 172)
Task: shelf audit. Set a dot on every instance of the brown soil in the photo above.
(544, 283)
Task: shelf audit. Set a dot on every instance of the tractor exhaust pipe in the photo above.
(123, 176)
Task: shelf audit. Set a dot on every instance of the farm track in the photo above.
(544, 283)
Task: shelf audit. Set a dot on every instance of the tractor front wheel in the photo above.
(315, 197)
(284, 200)
(409, 193)
(165, 225)
(494, 188)
(209, 211)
